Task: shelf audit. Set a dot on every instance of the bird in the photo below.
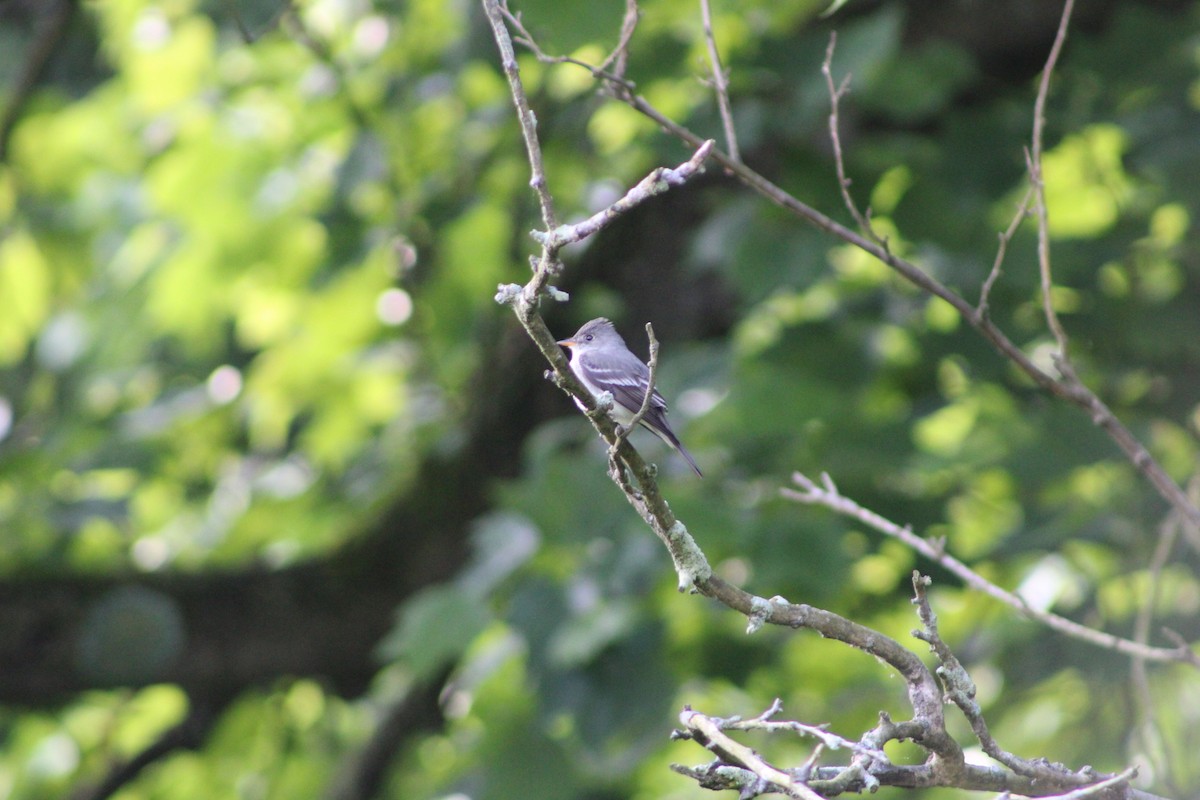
(602, 362)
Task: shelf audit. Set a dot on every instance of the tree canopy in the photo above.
(289, 509)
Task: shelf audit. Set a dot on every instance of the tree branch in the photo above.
(827, 495)
(1034, 161)
(720, 81)
(945, 764)
(619, 57)
(739, 767)
(708, 732)
(960, 690)
(836, 92)
(1005, 237)
(658, 181)
(1073, 393)
(690, 564)
(528, 123)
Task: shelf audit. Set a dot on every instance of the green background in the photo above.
(272, 460)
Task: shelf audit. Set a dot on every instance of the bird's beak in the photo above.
(565, 342)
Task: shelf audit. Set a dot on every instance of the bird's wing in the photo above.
(623, 375)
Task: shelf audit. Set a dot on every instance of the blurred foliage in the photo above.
(247, 260)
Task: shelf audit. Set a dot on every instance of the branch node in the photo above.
(604, 404)
(507, 294)
(760, 610)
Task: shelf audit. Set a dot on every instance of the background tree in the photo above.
(280, 484)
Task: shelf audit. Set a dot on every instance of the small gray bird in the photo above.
(602, 362)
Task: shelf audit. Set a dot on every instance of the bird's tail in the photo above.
(687, 457)
(668, 436)
(656, 422)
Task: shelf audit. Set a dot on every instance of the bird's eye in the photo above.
(589, 337)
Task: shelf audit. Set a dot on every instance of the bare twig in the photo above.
(1034, 162)
(619, 57)
(717, 776)
(652, 365)
(764, 722)
(533, 149)
(720, 81)
(827, 495)
(836, 92)
(1005, 237)
(1147, 729)
(738, 767)
(1096, 789)
(707, 731)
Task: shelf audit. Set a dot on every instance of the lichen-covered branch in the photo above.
(739, 767)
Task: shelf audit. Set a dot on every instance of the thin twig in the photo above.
(763, 722)
(827, 495)
(708, 732)
(1097, 788)
(738, 767)
(1036, 179)
(652, 364)
(619, 57)
(720, 81)
(613, 77)
(836, 93)
(533, 149)
(1005, 238)
(1147, 729)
